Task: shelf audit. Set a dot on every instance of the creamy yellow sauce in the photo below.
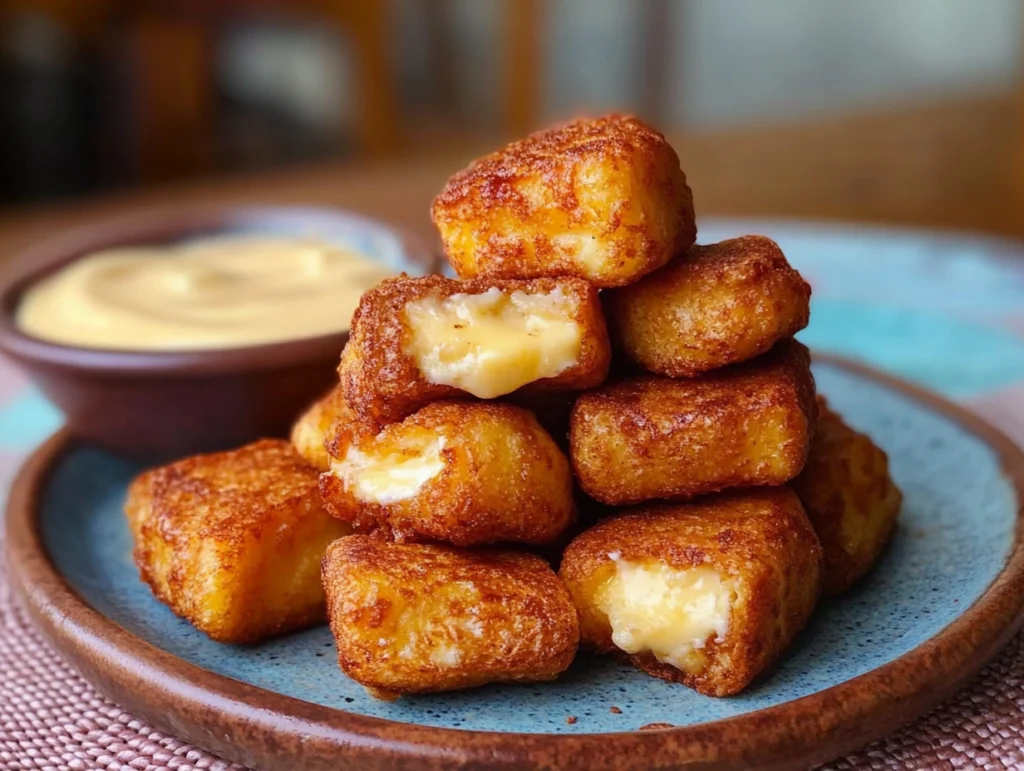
(214, 293)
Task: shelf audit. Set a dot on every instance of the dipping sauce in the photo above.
(221, 292)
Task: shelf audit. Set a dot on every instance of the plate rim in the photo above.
(254, 727)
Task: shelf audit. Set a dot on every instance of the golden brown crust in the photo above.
(850, 498)
(318, 426)
(602, 199)
(652, 437)
(712, 306)
(758, 538)
(227, 540)
(417, 618)
(504, 479)
(382, 384)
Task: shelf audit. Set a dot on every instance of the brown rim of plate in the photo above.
(251, 726)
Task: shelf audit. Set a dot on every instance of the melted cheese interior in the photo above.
(671, 613)
(493, 343)
(390, 477)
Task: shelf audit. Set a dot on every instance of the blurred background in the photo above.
(898, 111)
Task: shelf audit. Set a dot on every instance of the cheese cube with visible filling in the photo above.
(418, 340)
(468, 473)
(602, 199)
(708, 594)
(652, 437)
(416, 618)
(232, 541)
(850, 498)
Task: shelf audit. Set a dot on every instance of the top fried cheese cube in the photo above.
(602, 199)
(233, 541)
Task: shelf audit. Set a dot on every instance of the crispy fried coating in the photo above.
(467, 473)
(850, 498)
(416, 618)
(418, 340)
(601, 199)
(653, 437)
(552, 410)
(707, 594)
(712, 306)
(232, 541)
(317, 427)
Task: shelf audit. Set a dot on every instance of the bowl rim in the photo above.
(249, 725)
(49, 255)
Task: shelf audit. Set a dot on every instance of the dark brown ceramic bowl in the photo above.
(166, 404)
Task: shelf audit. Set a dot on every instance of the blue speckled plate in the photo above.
(946, 594)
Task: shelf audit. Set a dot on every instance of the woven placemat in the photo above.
(51, 718)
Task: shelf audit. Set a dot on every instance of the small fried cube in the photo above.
(707, 594)
(712, 306)
(602, 199)
(418, 340)
(317, 427)
(850, 498)
(416, 618)
(653, 437)
(232, 541)
(468, 473)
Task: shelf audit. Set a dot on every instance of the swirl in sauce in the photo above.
(213, 293)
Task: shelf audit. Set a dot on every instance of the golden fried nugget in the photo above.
(850, 499)
(416, 618)
(233, 541)
(601, 199)
(712, 306)
(707, 594)
(653, 437)
(317, 427)
(468, 473)
(418, 340)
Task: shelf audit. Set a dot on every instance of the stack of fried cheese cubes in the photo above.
(459, 401)
(699, 499)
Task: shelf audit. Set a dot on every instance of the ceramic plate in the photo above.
(948, 592)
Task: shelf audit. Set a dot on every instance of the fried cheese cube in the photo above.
(317, 427)
(850, 498)
(468, 473)
(707, 594)
(418, 340)
(416, 618)
(602, 199)
(654, 437)
(233, 541)
(712, 306)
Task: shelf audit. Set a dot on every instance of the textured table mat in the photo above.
(947, 312)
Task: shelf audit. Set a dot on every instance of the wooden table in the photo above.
(956, 164)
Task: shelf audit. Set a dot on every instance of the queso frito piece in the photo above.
(232, 541)
(316, 427)
(850, 498)
(417, 618)
(468, 473)
(602, 199)
(711, 306)
(653, 437)
(418, 340)
(708, 594)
